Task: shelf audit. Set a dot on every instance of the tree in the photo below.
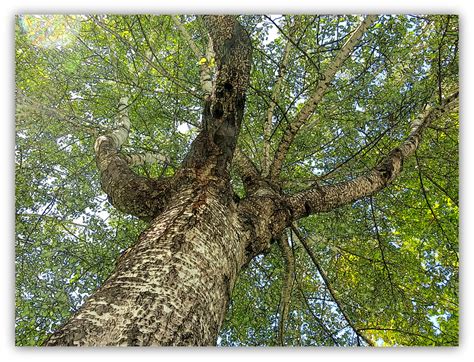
(265, 180)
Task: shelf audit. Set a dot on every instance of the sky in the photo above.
(10, 8)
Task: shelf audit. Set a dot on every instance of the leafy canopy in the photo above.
(390, 260)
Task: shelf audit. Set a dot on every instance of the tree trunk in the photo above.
(173, 286)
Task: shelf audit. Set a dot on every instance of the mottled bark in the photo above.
(328, 197)
(127, 191)
(145, 158)
(212, 150)
(172, 287)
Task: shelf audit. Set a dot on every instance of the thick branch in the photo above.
(213, 148)
(326, 198)
(249, 174)
(137, 159)
(310, 105)
(128, 192)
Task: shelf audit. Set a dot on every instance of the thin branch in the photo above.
(425, 196)
(289, 274)
(204, 62)
(310, 105)
(158, 66)
(329, 286)
(329, 197)
(439, 74)
(25, 105)
(454, 200)
(197, 52)
(317, 319)
(268, 127)
(295, 44)
(381, 247)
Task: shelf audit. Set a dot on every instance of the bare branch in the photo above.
(289, 274)
(204, 62)
(328, 284)
(310, 105)
(326, 198)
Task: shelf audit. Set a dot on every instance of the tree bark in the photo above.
(172, 287)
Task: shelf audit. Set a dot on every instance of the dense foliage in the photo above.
(391, 260)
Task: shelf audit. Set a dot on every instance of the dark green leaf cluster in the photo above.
(391, 258)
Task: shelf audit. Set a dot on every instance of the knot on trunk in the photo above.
(391, 166)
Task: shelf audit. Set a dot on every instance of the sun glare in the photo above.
(50, 31)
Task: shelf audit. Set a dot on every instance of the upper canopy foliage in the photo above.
(383, 269)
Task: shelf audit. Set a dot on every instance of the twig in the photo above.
(329, 286)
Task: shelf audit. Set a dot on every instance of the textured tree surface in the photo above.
(237, 180)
